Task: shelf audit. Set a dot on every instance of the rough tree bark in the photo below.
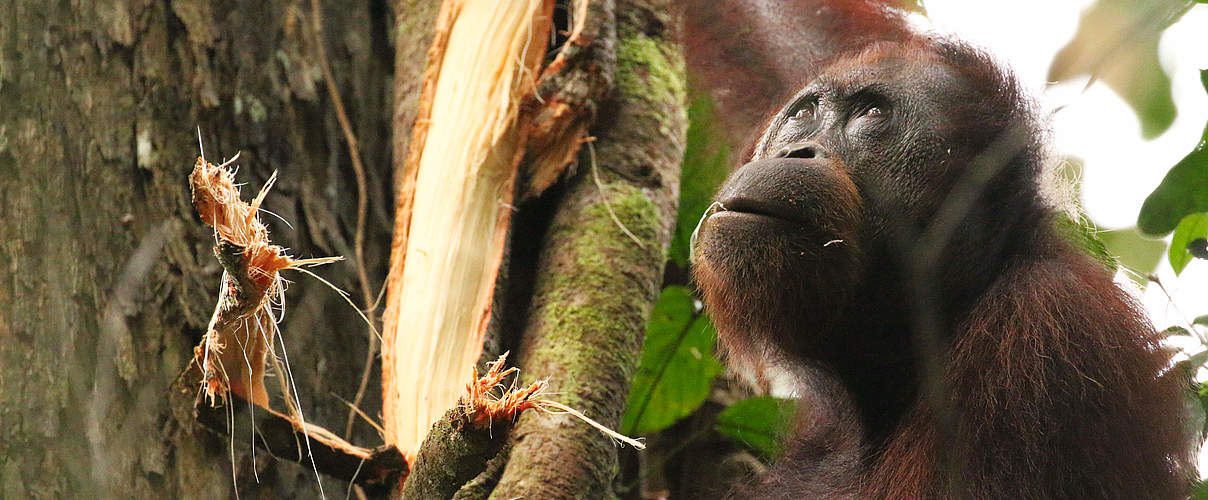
(108, 277)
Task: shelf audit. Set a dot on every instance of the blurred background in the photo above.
(1095, 126)
(1119, 151)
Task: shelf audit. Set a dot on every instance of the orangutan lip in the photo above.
(734, 206)
(756, 207)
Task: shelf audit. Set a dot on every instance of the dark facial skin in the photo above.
(888, 245)
(882, 129)
(857, 159)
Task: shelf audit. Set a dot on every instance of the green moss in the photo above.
(1083, 234)
(5, 70)
(585, 306)
(644, 69)
(600, 242)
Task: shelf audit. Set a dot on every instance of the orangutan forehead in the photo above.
(879, 63)
(919, 67)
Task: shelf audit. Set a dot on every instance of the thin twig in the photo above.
(358, 253)
(1171, 302)
(591, 150)
(374, 469)
(381, 431)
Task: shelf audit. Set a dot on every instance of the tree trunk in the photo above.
(109, 277)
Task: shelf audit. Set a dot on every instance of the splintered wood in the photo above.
(233, 352)
(454, 206)
(481, 407)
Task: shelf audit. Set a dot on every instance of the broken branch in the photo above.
(459, 445)
(455, 206)
(233, 352)
(375, 470)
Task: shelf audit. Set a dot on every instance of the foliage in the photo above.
(1114, 248)
(677, 366)
(1180, 203)
(1182, 192)
(1117, 42)
(1081, 232)
(706, 164)
(1134, 251)
(1200, 490)
(757, 423)
(1191, 228)
(915, 6)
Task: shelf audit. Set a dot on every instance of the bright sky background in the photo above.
(1121, 169)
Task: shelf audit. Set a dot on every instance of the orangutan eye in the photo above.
(868, 118)
(806, 112)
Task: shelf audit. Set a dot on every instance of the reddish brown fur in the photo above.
(755, 54)
(1052, 362)
(1045, 380)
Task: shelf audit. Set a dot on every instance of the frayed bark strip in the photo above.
(240, 334)
(375, 470)
(557, 116)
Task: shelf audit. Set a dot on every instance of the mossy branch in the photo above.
(453, 453)
(595, 285)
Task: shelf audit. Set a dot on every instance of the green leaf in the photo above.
(1174, 331)
(1199, 491)
(1117, 43)
(677, 366)
(1191, 365)
(1190, 228)
(1078, 229)
(1200, 392)
(706, 165)
(1113, 247)
(1196, 415)
(1198, 359)
(1184, 191)
(760, 423)
(1200, 320)
(1134, 251)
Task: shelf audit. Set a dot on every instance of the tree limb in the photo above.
(376, 470)
(595, 286)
